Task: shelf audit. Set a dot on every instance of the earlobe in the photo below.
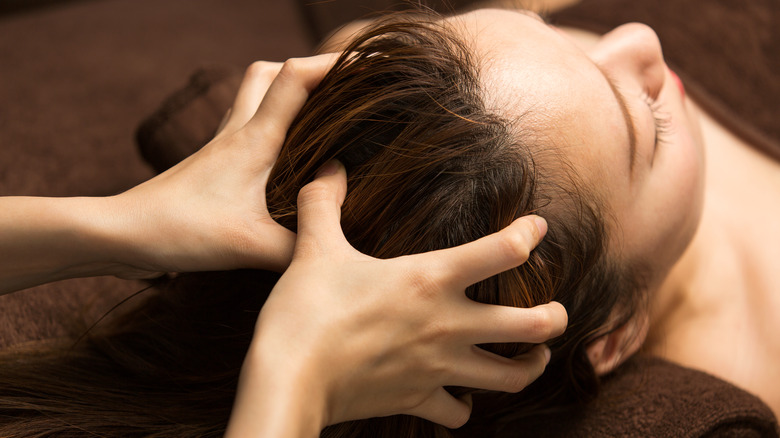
(605, 353)
(612, 349)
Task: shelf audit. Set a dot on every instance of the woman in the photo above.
(719, 296)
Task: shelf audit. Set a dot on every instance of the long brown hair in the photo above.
(429, 167)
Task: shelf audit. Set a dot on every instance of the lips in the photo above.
(678, 82)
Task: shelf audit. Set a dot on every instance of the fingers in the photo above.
(444, 409)
(288, 93)
(319, 209)
(294, 80)
(257, 79)
(486, 323)
(485, 370)
(475, 261)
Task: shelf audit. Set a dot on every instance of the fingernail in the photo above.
(541, 224)
(547, 354)
(329, 168)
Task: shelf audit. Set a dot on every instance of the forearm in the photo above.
(50, 239)
(276, 400)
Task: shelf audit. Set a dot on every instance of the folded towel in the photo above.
(650, 397)
(188, 118)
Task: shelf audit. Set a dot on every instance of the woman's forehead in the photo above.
(532, 74)
(522, 62)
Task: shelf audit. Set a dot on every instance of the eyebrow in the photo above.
(626, 115)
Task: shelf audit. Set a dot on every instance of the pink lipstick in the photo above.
(678, 82)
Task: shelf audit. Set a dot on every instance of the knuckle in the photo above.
(271, 132)
(424, 285)
(515, 382)
(412, 402)
(516, 246)
(547, 323)
(437, 331)
(542, 324)
(260, 69)
(291, 69)
(317, 190)
(444, 371)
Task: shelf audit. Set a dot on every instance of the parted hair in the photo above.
(429, 167)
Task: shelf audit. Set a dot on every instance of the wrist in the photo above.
(133, 239)
(93, 236)
(50, 239)
(90, 234)
(277, 397)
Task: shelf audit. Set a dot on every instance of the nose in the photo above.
(634, 50)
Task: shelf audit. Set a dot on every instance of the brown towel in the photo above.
(187, 119)
(650, 397)
(727, 52)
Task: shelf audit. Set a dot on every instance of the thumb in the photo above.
(319, 208)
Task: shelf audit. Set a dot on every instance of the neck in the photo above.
(668, 302)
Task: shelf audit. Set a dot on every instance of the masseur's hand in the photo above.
(209, 211)
(206, 213)
(346, 336)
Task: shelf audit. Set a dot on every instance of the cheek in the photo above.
(681, 170)
(688, 162)
(665, 215)
(681, 190)
(686, 159)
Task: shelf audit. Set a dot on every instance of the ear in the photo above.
(609, 351)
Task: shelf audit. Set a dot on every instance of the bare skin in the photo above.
(716, 311)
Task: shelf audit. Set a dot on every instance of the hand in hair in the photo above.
(346, 336)
(209, 211)
(206, 213)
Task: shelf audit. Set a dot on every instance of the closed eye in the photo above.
(662, 122)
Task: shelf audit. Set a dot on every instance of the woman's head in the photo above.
(613, 111)
(617, 115)
(452, 128)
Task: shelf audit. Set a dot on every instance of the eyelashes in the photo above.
(661, 120)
